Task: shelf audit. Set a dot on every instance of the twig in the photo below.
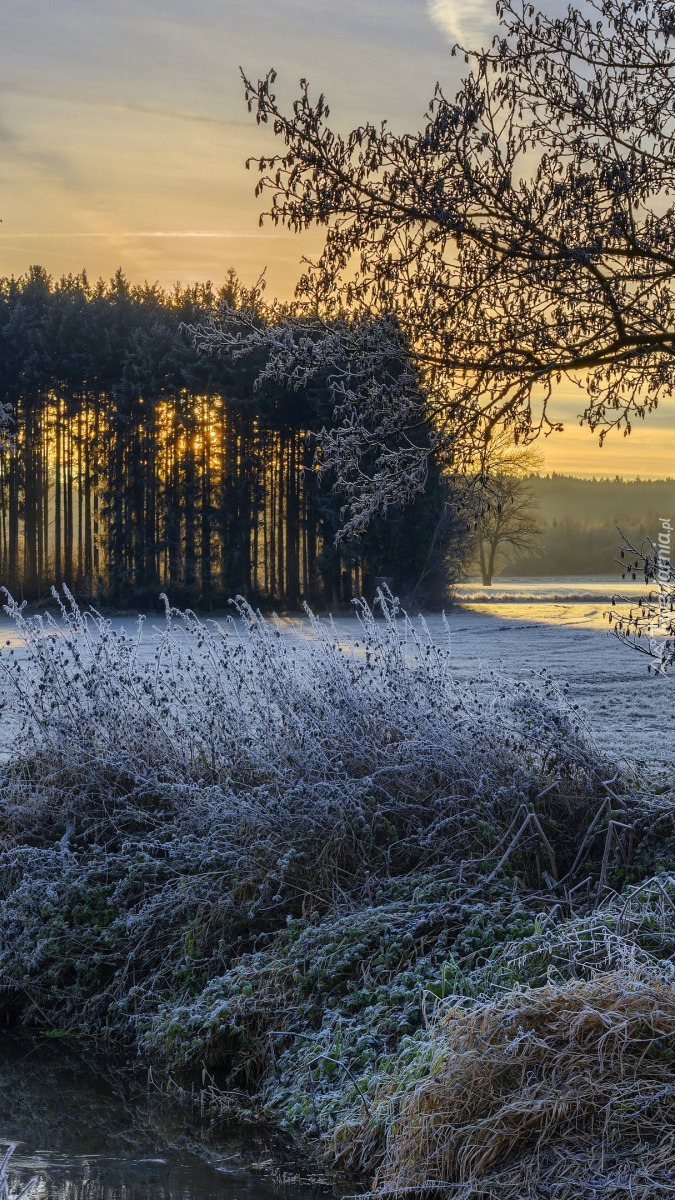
(338, 1063)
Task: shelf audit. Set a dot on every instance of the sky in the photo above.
(124, 136)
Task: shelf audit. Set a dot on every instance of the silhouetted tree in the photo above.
(507, 510)
(525, 233)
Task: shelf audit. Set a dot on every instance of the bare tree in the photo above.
(507, 513)
(524, 235)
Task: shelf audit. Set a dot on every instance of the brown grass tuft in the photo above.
(535, 1085)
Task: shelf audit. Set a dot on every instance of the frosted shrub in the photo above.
(174, 802)
(302, 727)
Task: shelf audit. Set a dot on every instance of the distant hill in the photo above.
(580, 518)
(597, 501)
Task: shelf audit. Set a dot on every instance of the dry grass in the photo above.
(523, 1096)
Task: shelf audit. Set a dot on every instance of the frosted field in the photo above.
(559, 626)
(523, 627)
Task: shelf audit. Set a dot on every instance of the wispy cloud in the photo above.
(193, 233)
(126, 235)
(473, 25)
(47, 159)
(84, 101)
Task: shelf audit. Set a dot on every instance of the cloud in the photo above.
(194, 233)
(122, 235)
(41, 158)
(171, 114)
(648, 452)
(472, 24)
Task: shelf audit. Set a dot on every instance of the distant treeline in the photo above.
(136, 465)
(580, 518)
(598, 501)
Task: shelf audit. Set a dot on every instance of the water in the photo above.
(89, 1131)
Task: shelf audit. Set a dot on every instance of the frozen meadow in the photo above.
(522, 627)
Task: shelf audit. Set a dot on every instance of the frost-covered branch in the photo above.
(649, 625)
(382, 433)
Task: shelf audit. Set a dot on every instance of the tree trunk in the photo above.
(486, 573)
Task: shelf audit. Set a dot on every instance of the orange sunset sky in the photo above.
(124, 136)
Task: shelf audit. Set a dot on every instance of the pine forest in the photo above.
(133, 465)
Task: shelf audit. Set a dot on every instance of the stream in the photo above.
(91, 1131)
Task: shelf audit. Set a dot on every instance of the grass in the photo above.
(517, 1093)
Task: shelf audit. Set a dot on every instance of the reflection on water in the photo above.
(89, 1133)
